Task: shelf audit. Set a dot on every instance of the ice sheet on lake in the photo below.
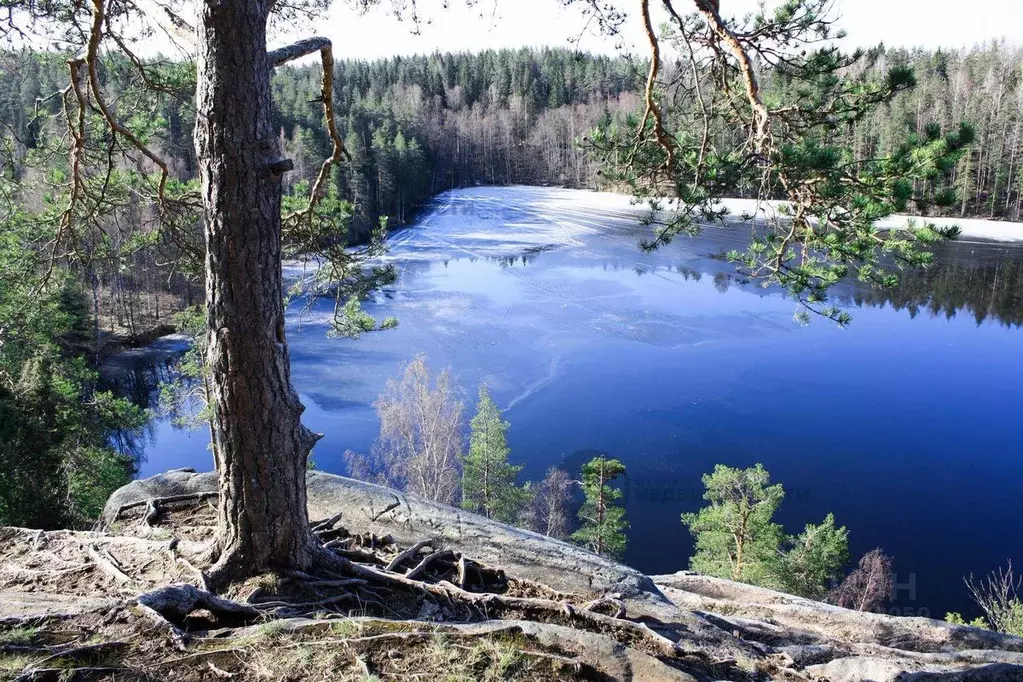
(586, 210)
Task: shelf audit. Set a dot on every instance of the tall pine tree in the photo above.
(603, 521)
(736, 536)
(488, 484)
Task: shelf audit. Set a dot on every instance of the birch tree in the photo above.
(422, 435)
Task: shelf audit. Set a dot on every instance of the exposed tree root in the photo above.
(162, 502)
(408, 554)
(108, 564)
(326, 525)
(176, 602)
(348, 574)
(490, 605)
(429, 559)
(608, 601)
(81, 653)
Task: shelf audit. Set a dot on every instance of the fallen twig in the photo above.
(79, 653)
(198, 654)
(65, 674)
(13, 568)
(219, 672)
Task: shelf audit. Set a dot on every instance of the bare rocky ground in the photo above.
(426, 592)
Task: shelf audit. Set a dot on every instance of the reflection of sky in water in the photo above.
(907, 428)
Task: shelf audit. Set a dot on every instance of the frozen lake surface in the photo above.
(907, 424)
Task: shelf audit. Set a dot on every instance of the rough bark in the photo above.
(261, 445)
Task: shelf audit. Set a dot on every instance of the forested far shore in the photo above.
(412, 127)
(416, 126)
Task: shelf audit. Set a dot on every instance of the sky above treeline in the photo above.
(476, 25)
(514, 23)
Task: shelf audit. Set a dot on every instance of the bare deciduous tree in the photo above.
(869, 587)
(998, 596)
(362, 467)
(548, 513)
(422, 435)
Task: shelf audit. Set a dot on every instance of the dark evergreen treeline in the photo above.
(413, 127)
(984, 291)
(416, 126)
(419, 125)
(982, 86)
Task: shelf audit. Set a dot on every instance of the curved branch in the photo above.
(652, 110)
(761, 117)
(91, 58)
(338, 152)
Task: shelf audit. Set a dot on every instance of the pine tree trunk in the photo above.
(261, 445)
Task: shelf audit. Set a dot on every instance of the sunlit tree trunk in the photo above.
(261, 445)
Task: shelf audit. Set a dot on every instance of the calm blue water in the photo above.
(907, 426)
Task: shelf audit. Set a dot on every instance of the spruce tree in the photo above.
(488, 482)
(603, 521)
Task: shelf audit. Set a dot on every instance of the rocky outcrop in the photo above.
(366, 507)
(839, 645)
(722, 622)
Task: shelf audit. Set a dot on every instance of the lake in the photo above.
(907, 424)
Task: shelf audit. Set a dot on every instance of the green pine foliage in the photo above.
(737, 538)
(793, 130)
(488, 480)
(815, 559)
(956, 618)
(57, 461)
(602, 520)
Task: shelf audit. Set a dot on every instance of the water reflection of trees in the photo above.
(140, 381)
(986, 282)
(991, 290)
